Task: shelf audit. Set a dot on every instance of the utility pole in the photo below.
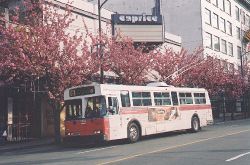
(100, 53)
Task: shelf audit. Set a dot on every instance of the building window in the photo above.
(221, 5)
(230, 49)
(208, 16)
(141, 98)
(229, 28)
(223, 46)
(216, 42)
(162, 98)
(231, 67)
(243, 33)
(215, 21)
(237, 13)
(215, 2)
(248, 21)
(238, 32)
(238, 52)
(228, 7)
(186, 98)
(2, 12)
(222, 25)
(243, 18)
(224, 65)
(208, 40)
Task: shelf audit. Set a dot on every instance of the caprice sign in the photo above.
(140, 28)
(138, 18)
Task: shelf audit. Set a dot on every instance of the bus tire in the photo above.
(195, 124)
(133, 132)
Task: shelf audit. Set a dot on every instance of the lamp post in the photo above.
(243, 79)
(100, 54)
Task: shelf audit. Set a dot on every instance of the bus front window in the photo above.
(96, 107)
(73, 109)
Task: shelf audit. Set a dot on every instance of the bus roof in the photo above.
(117, 87)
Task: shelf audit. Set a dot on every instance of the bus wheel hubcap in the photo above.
(195, 124)
(133, 132)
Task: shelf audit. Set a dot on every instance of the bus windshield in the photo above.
(95, 107)
(73, 109)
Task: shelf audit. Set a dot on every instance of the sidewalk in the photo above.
(12, 146)
(237, 116)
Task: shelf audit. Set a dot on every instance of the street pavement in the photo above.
(221, 144)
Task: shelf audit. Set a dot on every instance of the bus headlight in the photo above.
(97, 132)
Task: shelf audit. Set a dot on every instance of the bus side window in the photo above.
(113, 105)
(125, 99)
(174, 98)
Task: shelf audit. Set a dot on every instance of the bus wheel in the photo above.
(195, 123)
(133, 133)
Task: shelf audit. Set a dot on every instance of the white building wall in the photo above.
(86, 13)
(206, 28)
(173, 42)
(183, 18)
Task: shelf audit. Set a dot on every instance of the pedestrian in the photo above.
(3, 132)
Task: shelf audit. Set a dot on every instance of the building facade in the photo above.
(218, 26)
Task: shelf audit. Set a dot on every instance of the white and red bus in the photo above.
(110, 112)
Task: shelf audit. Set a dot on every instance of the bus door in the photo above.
(175, 113)
(174, 98)
(114, 117)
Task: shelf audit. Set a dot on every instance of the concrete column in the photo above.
(10, 118)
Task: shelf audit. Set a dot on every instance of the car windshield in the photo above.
(95, 107)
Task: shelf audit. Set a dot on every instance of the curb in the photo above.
(229, 121)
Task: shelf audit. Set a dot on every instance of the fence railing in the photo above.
(19, 132)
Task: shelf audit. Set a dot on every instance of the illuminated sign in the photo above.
(81, 91)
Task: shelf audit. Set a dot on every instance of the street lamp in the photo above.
(99, 45)
(100, 54)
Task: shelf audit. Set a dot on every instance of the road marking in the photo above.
(173, 147)
(95, 150)
(237, 157)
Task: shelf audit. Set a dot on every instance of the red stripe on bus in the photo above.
(134, 111)
(182, 108)
(194, 107)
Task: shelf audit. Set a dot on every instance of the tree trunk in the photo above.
(57, 109)
(57, 125)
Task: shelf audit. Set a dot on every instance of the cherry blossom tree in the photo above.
(168, 63)
(214, 77)
(129, 63)
(192, 70)
(39, 46)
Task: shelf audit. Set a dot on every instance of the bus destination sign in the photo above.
(81, 91)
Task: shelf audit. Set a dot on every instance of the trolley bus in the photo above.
(110, 112)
